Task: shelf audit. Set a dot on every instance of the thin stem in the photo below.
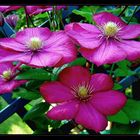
(111, 70)
(92, 67)
(133, 14)
(27, 20)
(123, 11)
(31, 20)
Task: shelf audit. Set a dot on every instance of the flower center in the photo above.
(83, 91)
(7, 74)
(35, 43)
(110, 29)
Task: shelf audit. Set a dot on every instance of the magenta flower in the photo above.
(7, 75)
(108, 42)
(39, 47)
(34, 10)
(5, 9)
(83, 97)
(12, 20)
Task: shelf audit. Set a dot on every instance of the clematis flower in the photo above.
(7, 8)
(12, 20)
(7, 81)
(39, 47)
(86, 98)
(34, 10)
(108, 42)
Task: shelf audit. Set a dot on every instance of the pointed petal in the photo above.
(61, 44)
(101, 82)
(86, 35)
(44, 59)
(90, 118)
(25, 35)
(9, 86)
(73, 76)
(132, 49)
(11, 43)
(55, 92)
(104, 17)
(64, 111)
(130, 31)
(105, 54)
(108, 102)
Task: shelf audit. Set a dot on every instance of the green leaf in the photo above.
(120, 117)
(132, 109)
(117, 86)
(34, 74)
(36, 111)
(25, 94)
(79, 61)
(123, 69)
(86, 12)
(124, 129)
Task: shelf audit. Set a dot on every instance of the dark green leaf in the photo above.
(132, 109)
(120, 117)
(79, 61)
(34, 74)
(23, 93)
(117, 86)
(36, 111)
(124, 129)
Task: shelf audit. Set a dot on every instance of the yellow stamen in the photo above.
(83, 92)
(110, 29)
(35, 43)
(6, 74)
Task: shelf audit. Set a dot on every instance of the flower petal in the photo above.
(73, 76)
(61, 44)
(101, 82)
(132, 49)
(11, 43)
(25, 35)
(108, 102)
(90, 118)
(55, 92)
(64, 111)
(130, 31)
(5, 66)
(107, 53)
(9, 86)
(104, 17)
(86, 35)
(44, 59)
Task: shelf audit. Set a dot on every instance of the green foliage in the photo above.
(123, 69)
(132, 109)
(125, 129)
(36, 111)
(87, 12)
(25, 94)
(120, 117)
(117, 86)
(34, 74)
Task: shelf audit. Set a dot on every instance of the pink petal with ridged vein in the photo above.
(108, 102)
(90, 118)
(55, 92)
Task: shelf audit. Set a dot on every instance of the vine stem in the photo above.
(123, 11)
(27, 20)
(112, 67)
(133, 14)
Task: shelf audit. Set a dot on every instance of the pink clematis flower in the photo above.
(5, 9)
(7, 81)
(34, 10)
(83, 97)
(108, 42)
(39, 47)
